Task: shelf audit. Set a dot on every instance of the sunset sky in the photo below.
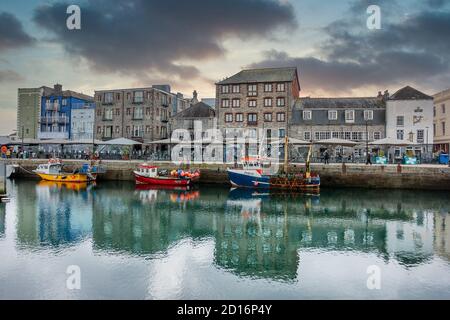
(192, 44)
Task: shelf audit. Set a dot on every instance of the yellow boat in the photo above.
(52, 171)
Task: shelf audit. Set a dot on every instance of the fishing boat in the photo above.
(148, 174)
(252, 175)
(53, 171)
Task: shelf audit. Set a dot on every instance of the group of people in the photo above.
(326, 157)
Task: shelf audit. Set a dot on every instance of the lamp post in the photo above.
(427, 142)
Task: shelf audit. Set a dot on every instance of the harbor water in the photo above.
(216, 243)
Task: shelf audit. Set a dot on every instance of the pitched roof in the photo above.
(262, 75)
(198, 110)
(337, 103)
(66, 93)
(409, 93)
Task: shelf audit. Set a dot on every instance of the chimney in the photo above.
(58, 88)
(380, 96)
(386, 95)
(195, 97)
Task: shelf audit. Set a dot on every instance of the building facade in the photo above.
(257, 99)
(409, 116)
(441, 122)
(82, 121)
(56, 112)
(29, 102)
(199, 114)
(354, 119)
(141, 114)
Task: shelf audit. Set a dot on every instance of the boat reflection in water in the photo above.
(214, 238)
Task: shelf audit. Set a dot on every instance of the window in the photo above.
(235, 88)
(147, 129)
(138, 97)
(128, 96)
(355, 136)
(307, 115)
(268, 87)
(99, 98)
(332, 115)
(108, 97)
(368, 115)
(239, 117)
(128, 130)
(268, 117)
(443, 108)
(137, 131)
(117, 129)
(443, 128)
(347, 135)
(376, 135)
(252, 118)
(108, 114)
(228, 117)
(400, 134)
(420, 136)
(138, 113)
(349, 115)
(128, 111)
(118, 96)
(281, 87)
(99, 112)
(147, 111)
(64, 102)
(434, 129)
(281, 133)
(280, 102)
(434, 111)
(267, 102)
(307, 136)
(225, 103)
(117, 112)
(281, 116)
(400, 121)
(225, 89)
(252, 103)
(108, 131)
(236, 103)
(99, 130)
(252, 90)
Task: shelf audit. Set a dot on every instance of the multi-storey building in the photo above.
(409, 116)
(82, 121)
(56, 112)
(141, 114)
(257, 99)
(441, 122)
(355, 119)
(29, 111)
(201, 113)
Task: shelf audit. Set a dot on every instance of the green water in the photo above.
(213, 243)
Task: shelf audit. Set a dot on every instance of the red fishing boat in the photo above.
(148, 174)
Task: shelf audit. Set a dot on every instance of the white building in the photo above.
(409, 117)
(82, 122)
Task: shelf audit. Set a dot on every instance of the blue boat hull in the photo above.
(241, 179)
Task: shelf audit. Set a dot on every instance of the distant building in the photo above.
(409, 116)
(56, 112)
(198, 112)
(82, 121)
(441, 128)
(29, 111)
(354, 119)
(257, 99)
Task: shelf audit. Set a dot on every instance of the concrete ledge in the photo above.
(430, 177)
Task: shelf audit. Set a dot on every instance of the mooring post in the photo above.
(2, 179)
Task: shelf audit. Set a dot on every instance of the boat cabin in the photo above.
(147, 171)
(49, 168)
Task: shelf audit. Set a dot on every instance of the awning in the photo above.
(291, 141)
(391, 142)
(337, 142)
(120, 142)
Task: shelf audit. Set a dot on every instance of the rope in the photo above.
(28, 171)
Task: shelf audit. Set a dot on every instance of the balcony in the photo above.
(52, 120)
(138, 117)
(107, 119)
(164, 119)
(53, 135)
(252, 123)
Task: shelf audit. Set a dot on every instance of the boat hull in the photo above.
(244, 179)
(78, 178)
(162, 181)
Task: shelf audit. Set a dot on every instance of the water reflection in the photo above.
(255, 234)
(2, 219)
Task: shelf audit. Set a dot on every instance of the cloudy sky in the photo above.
(191, 44)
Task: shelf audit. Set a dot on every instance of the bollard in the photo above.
(399, 168)
(344, 168)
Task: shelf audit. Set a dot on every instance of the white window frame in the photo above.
(225, 89)
(350, 116)
(368, 115)
(235, 88)
(267, 86)
(307, 115)
(332, 115)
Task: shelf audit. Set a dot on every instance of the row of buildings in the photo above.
(249, 101)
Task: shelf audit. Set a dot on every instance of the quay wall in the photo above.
(429, 177)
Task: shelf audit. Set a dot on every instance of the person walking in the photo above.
(369, 158)
(326, 157)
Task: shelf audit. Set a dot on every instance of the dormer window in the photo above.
(332, 115)
(350, 116)
(307, 115)
(368, 115)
